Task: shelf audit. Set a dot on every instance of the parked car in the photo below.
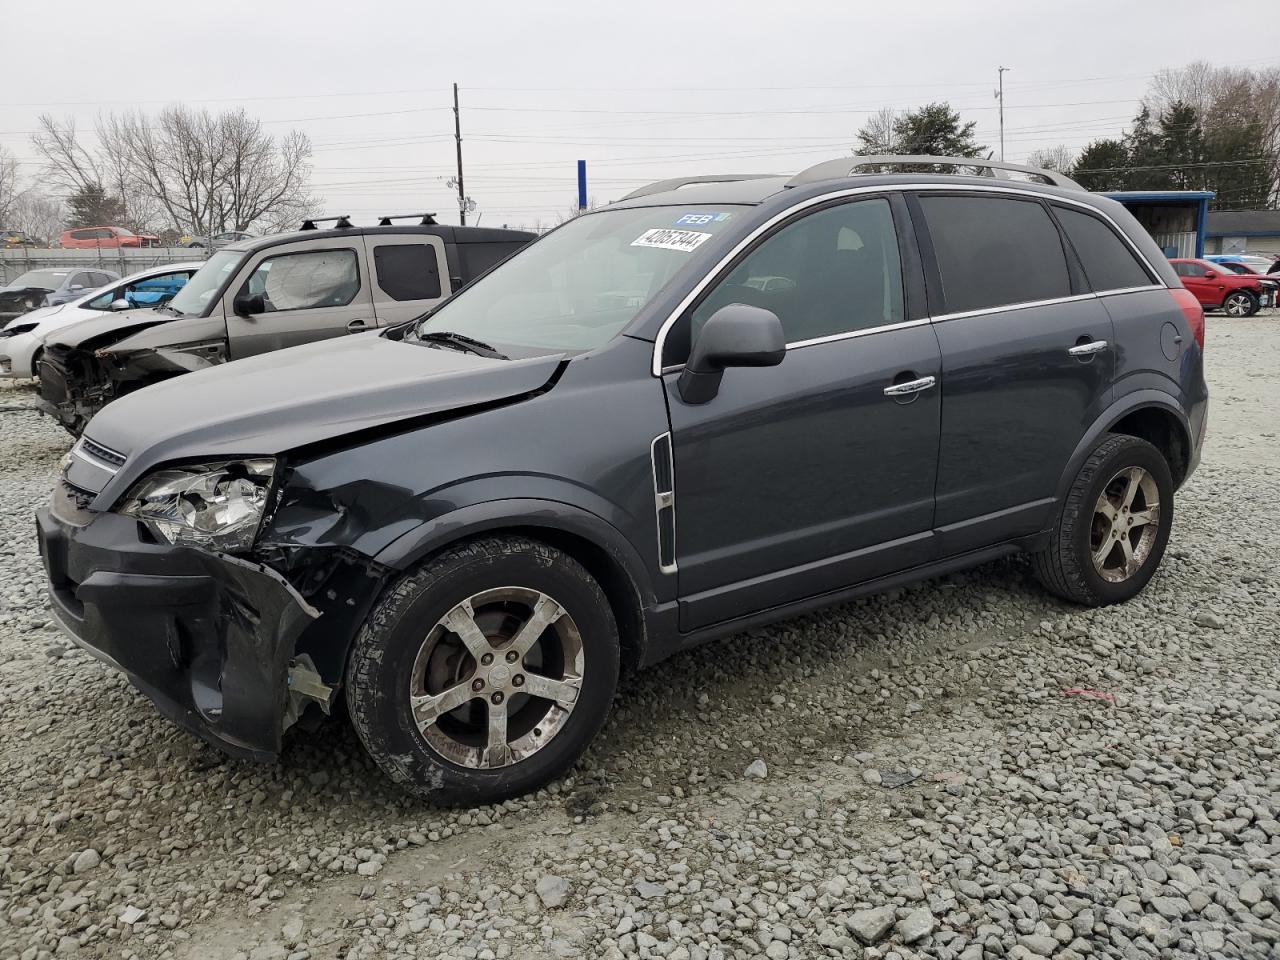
(217, 241)
(465, 524)
(262, 295)
(106, 238)
(1256, 264)
(16, 238)
(1218, 288)
(1252, 267)
(47, 288)
(22, 341)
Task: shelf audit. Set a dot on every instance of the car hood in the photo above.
(277, 402)
(110, 327)
(11, 293)
(30, 317)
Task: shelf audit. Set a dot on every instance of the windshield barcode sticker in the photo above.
(668, 239)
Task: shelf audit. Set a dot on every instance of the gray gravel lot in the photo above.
(964, 769)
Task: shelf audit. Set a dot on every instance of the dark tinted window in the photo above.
(831, 272)
(1107, 260)
(84, 234)
(994, 251)
(407, 271)
(1191, 269)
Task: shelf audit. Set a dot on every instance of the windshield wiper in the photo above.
(460, 342)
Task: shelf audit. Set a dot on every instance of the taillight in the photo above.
(1192, 310)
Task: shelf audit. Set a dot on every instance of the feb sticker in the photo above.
(702, 219)
(685, 241)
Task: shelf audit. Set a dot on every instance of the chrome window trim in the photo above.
(1010, 307)
(656, 368)
(1119, 290)
(858, 333)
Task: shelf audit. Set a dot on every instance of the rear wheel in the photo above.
(1113, 527)
(1242, 303)
(485, 673)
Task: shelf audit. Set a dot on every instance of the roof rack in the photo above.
(853, 166)
(428, 219)
(339, 223)
(662, 186)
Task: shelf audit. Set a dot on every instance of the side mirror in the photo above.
(247, 304)
(76, 287)
(121, 304)
(736, 335)
(1210, 275)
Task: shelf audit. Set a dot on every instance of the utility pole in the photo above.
(1000, 96)
(457, 135)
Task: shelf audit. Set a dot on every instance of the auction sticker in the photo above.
(685, 241)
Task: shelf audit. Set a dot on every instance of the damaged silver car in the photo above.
(266, 294)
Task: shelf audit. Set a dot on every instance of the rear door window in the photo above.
(407, 271)
(995, 251)
(1109, 263)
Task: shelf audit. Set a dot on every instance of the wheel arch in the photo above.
(596, 544)
(1150, 415)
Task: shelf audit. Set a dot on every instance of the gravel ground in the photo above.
(964, 769)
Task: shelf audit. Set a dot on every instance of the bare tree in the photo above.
(211, 172)
(189, 169)
(1061, 158)
(75, 168)
(879, 135)
(36, 215)
(9, 191)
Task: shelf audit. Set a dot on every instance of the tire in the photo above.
(1067, 565)
(406, 650)
(1241, 303)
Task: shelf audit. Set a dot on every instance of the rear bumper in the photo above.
(208, 638)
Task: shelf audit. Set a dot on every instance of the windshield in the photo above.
(48, 279)
(194, 298)
(577, 287)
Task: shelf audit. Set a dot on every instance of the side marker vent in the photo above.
(664, 499)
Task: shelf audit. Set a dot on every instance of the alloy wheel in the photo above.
(1238, 305)
(1126, 522)
(497, 677)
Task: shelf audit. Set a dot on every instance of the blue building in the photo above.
(1178, 220)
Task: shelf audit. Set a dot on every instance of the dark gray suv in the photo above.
(718, 402)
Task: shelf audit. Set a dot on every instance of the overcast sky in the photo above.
(641, 91)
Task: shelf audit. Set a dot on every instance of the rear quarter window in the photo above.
(1109, 263)
(407, 271)
(995, 251)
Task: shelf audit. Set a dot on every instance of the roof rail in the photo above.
(662, 186)
(428, 219)
(852, 166)
(339, 223)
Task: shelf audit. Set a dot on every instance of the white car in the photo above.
(24, 337)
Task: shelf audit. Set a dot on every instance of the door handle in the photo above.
(911, 386)
(1087, 349)
(356, 326)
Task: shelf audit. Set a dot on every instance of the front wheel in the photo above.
(485, 673)
(1242, 303)
(1113, 526)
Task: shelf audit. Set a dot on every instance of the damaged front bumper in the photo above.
(209, 638)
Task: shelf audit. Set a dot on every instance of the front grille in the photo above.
(104, 454)
(71, 504)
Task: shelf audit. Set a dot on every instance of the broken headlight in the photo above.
(217, 506)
